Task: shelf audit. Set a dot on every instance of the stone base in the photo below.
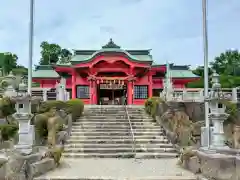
(24, 149)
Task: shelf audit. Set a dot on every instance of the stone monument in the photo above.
(23, 116)
(217, 113)
(61, 90)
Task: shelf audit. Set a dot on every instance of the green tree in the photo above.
(8, 61)
(52, 52)
(65, 56)
(227, 63)
(200, 71)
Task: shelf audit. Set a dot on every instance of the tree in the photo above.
(51, 53)
(200, 71)
(65, 56)
(227, 63)
(8, 61)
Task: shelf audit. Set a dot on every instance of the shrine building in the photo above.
(112, 75)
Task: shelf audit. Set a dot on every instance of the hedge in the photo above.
(8, 131)
(46, 110)
(75, 107)
(151, 105)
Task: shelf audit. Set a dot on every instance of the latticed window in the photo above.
(140, 92)
(83, 92)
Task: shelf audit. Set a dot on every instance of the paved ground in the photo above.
(119, 169)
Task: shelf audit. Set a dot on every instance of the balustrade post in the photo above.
(234, 95)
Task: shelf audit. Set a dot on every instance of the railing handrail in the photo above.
(132, 133)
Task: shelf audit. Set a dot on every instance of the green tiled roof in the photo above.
(110, 47)
(182, 74)
(85, 57)
(45, 71)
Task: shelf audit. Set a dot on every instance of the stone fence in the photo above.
(50, 94)
(215, 164)
(196, 95)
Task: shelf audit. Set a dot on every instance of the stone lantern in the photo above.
(217, 113)
(23, 116)
(10, 81)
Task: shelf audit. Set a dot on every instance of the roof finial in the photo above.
(111, 44)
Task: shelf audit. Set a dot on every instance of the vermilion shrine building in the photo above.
(112, 74)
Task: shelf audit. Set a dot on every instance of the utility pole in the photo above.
(31, 34)
(205, 48)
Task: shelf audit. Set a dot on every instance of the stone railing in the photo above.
(47, 94)
(195, 95)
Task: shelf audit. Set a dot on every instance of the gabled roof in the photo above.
(110, 47)
(44, 71)
(181, 71)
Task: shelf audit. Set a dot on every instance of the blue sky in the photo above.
(171, 28)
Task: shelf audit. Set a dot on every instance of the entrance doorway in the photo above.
(111, 94)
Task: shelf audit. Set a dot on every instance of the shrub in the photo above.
(56, 154)
(7, 106)
(40, 123)
(8, 131)
(151, 105)
(75, 107)
(48, 105)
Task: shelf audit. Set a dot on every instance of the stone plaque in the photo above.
(111, 86)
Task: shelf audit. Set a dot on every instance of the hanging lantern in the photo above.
(97, 81)
(123, 83)
(114, 81)
(102, 81)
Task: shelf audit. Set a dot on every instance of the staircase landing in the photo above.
(119, 169)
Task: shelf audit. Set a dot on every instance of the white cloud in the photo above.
(171, 28)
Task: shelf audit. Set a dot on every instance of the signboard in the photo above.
(111, 86)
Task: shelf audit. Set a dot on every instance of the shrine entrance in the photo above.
(111, 94)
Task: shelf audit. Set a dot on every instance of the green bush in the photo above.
(40, 123)
(151, 105)
(48, 105)
(8, 131)
(7, 106)
(75, 107)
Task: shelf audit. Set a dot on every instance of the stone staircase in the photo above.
(104, 132)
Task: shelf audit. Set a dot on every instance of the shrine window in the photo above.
(83, 92)
(140, 92)
(20, 106)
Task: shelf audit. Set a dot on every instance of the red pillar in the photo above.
(91, 91)
(130, 93)
(94, 92)
(150, 84)
(74, 94)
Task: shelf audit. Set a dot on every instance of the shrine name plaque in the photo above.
(111, 86)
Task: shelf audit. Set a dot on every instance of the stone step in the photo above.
(124, 136)
(116, 145)
(125, 122)
(84, 120)
(116, 141)
(136, 133)
(121, 155)
(115, 115)
(164, 177)
(118, 127)
(110, 150)
(113, 131)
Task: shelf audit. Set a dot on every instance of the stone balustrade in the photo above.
(196, 95)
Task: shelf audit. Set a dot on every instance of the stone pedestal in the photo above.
(218, 139)
(26, 134)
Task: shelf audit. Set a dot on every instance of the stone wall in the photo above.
(181, 121)
(218, 165)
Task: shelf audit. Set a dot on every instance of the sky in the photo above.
(171, 28)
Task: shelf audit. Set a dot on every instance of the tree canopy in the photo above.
(51, 53)
(227, 65)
